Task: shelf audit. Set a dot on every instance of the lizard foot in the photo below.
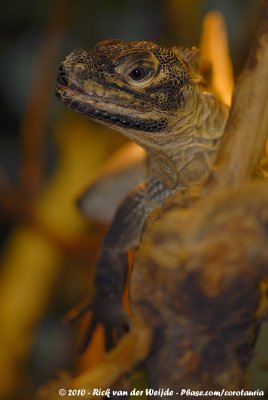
(110, 315)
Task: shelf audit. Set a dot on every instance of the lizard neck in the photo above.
(211, 115)
(187, 158)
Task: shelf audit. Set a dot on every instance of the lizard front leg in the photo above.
(111, 270)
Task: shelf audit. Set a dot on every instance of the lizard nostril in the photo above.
(62, 75)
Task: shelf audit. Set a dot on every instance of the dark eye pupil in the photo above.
(138, 74)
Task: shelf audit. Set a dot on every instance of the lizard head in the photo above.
(138, 88)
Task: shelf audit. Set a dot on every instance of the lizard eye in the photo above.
(138, 74)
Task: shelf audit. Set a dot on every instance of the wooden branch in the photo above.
(132, 348)
(196, 282)
(247, 127)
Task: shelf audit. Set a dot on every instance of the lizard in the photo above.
(155, 97)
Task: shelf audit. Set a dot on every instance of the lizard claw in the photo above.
(113, 332)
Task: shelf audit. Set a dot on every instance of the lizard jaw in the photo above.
(109, 111)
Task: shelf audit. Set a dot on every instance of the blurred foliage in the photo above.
(48, 248)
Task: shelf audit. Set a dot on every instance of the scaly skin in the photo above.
(154, 97)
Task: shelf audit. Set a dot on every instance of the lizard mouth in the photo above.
(110, 110)
(65, 93)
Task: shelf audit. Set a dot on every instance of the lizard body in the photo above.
(154, 97)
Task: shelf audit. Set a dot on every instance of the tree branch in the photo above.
(247, 127)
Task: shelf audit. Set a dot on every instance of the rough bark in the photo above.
(196, 283)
